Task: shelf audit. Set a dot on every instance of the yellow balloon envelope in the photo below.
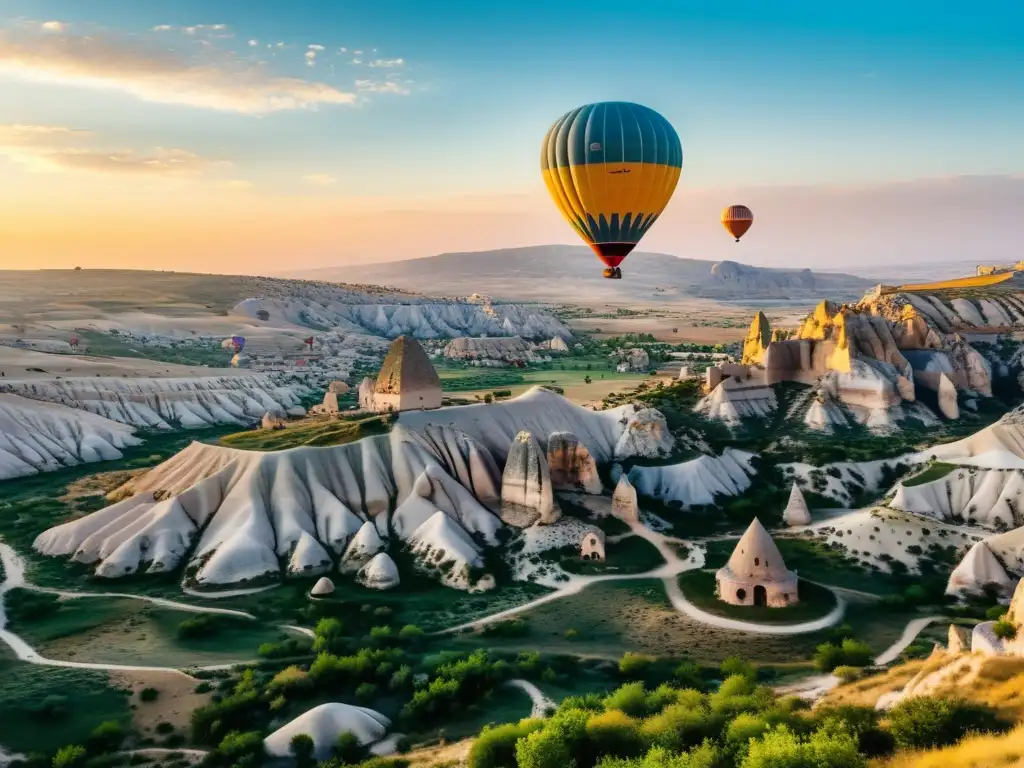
(611, 169)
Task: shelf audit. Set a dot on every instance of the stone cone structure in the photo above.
(571, 465)
(757, 340)
(976, 571)
(624, 502)
(756, 573)
(322, 588)
(526, 493)
(796, 513)
(407, 379)
(959, 640)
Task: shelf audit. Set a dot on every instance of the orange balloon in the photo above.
(737, 219)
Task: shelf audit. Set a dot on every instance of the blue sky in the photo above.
(762, 92)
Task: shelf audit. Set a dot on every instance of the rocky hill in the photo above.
(542, 272)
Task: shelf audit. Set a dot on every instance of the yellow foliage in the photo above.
(977, 281)
(1004, 751)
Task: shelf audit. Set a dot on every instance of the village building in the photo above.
(756, 573)
(592, 546)
(407, 380)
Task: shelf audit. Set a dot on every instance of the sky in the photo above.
(260, 136)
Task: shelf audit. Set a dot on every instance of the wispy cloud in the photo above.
(320, 179)
(384, 86)
(53, 26)
(217, 82)
(387, 63)
(192, 30)
(253, 43)
(58, 148)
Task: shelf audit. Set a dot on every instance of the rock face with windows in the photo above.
(756, 573)
(592, 546)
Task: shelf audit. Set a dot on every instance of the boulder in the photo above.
(646, 435)
(526, 493)
(322, 588)
(571, 465)
(339, 388)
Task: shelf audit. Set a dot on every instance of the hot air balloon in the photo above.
(73, 341)
(611, 169)
(737, 219)
(238, 343)
(308, 341)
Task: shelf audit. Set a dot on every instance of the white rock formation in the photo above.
(571, 465)
(324, 724)
(309, 557)
(697, 482)
(236, 514)
(736, 399)
(39, 436)
(617, 433)
(274, 419)
(380, 573)
(988, 498)
(500, 349)
(445, 550)
(526, 493)
(322, 588)
(362, 549)
(163, 403)
(333, 306)
(796, 512)
(978, 569)
(824, 414)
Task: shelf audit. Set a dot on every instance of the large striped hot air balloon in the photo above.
(737, 219)
(611, 169)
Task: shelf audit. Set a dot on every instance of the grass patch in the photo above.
(815, 602)
(632, 554)
(935, 471)
(308, 432)
(182, 352)
(44, 708)
(125, 631)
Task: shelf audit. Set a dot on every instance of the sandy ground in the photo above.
(174, 705)
(14, 364)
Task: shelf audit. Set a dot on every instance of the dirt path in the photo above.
(913, 629)
(541, 703)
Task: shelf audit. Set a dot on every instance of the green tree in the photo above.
(302, 747)
(495, 747)
(71, 756)
(929, 721)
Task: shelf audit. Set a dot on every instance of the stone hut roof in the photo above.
(406, 367)
(756, 558)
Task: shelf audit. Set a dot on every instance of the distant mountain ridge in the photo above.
(565, 272)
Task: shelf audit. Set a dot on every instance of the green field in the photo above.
(815, 602)
(308, 432)
(632, 554)
(935, 471)
(43, 708)
(193, 353)
(126, 631)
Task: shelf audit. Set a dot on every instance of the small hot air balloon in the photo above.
(309, 342)
(737, 219)
(238, 343)
(73, 341)
(611, 169)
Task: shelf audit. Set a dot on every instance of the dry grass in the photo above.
(174, 704)
(1004, 751)
(868, 691)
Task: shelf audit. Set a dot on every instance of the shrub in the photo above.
(53, 706)
(1004, 629)
(781, 748)
(495, 747)
(241, 744)
(928, 722)
(164, 728)
(688, 675)
(70, 756)
(629, 698)
(302, 747)
(365, 692)
(149, 694)
(348, 749)
(680, 727)
(737, 665)
(615, 733)
(106, 737)
(847, 673)
(634, 666)
(290, 680)
(411, 633)
(197, 628)
(203, 687)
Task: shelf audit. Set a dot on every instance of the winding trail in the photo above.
(14, 578)
(913, 629)
(541, 703)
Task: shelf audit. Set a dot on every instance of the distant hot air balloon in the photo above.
(238, 343)
(309, 342)
(73, 341)
(737, 219)
(611, 169)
